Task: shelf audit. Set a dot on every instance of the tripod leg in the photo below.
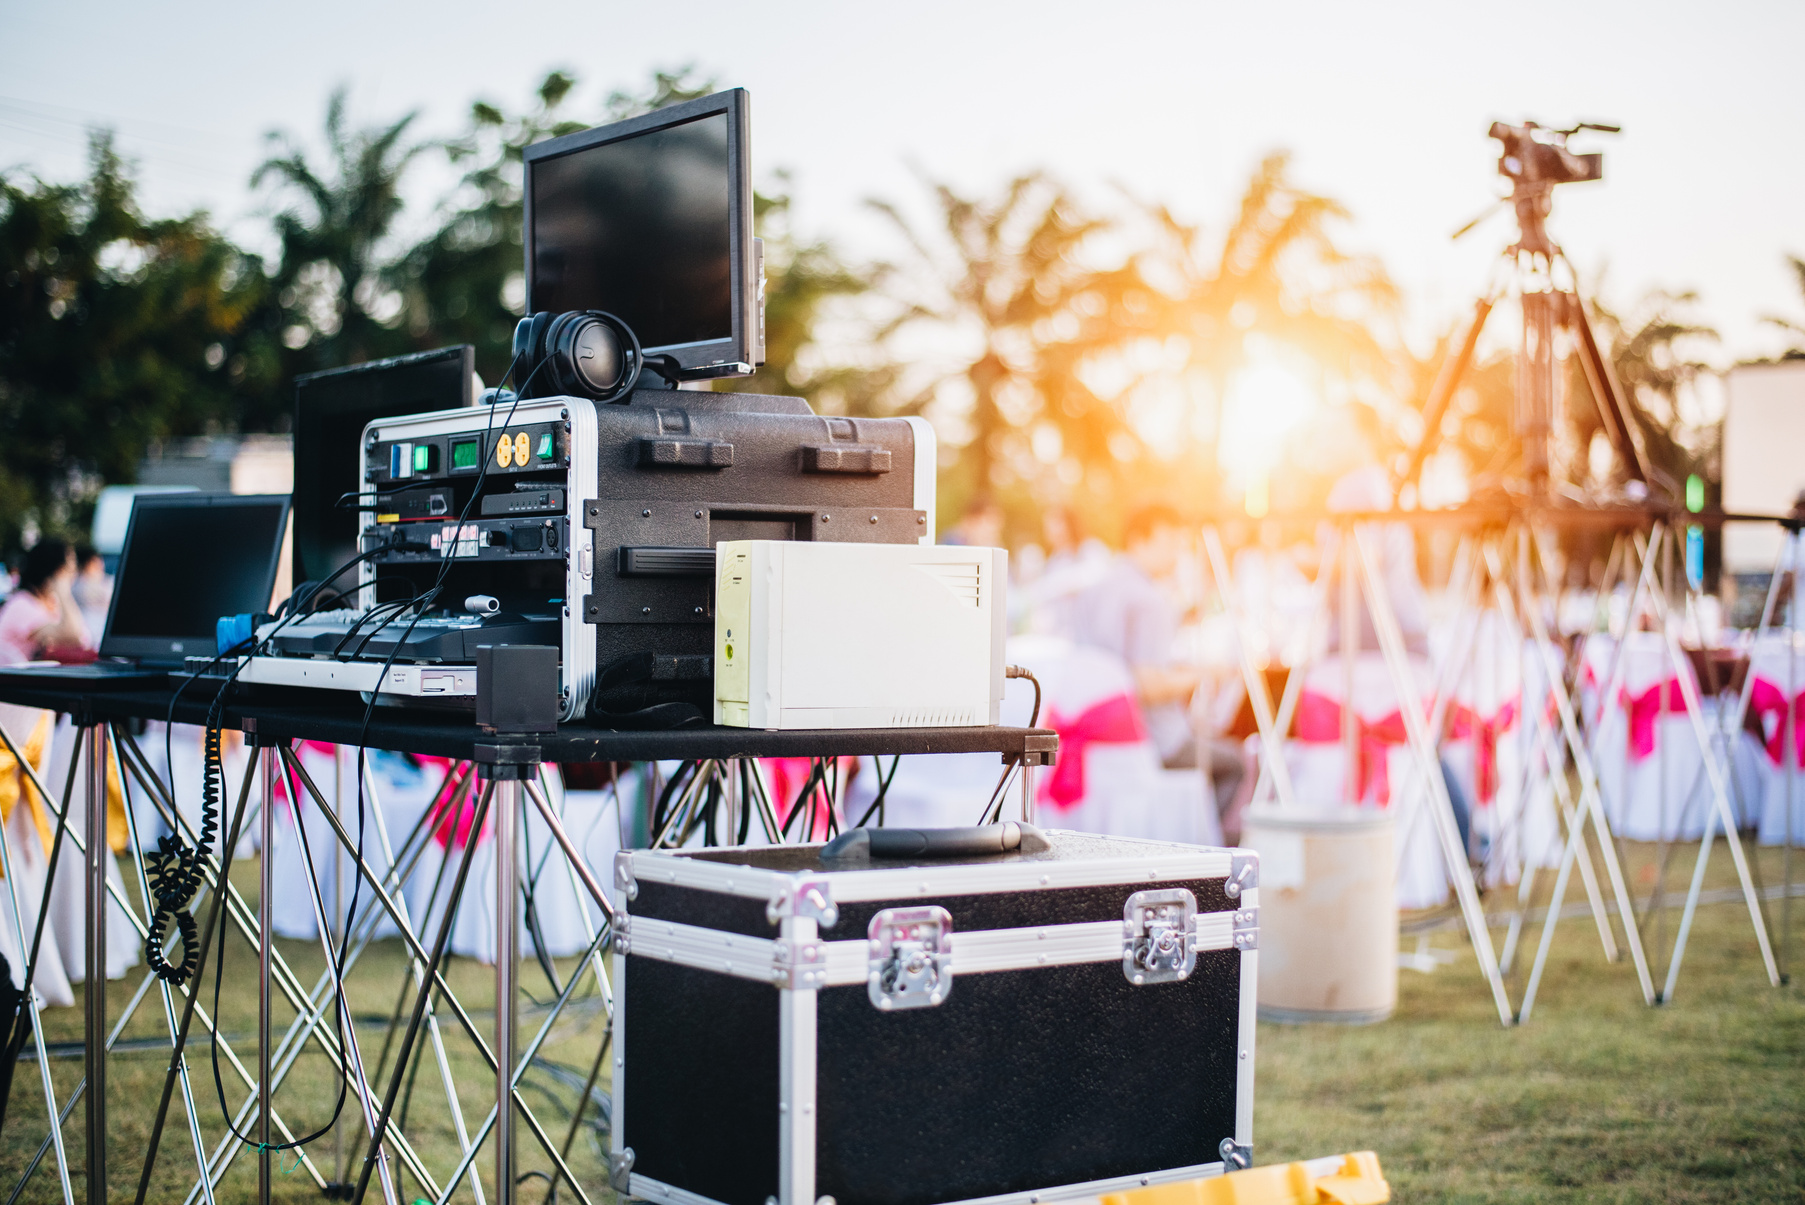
(1447, 379)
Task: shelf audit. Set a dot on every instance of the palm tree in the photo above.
(1791, 326)
(331, 271)
(1653, 349)
(804, 279)
(1009, 274)
(1276, 275)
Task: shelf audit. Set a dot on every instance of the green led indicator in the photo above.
(464, 454)
(1695, 493)
(545, 446)
(422, 457)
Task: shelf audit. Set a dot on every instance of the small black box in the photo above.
(517, 687)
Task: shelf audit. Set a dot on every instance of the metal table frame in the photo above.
(499, 772)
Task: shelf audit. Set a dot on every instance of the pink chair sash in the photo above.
(1466, 724)
(451, 826)
(1646, 708)
(1319, 723)
(1768, 701)
(1113, 721)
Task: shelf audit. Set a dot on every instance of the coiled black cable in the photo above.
(173, 870)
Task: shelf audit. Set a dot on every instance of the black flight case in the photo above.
(1070, 1018)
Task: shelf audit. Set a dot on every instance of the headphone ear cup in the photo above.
(529, 339)
(559, 374)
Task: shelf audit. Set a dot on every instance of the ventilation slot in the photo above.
(962, 578)
(937, 717)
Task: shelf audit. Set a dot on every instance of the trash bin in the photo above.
(1328, 913)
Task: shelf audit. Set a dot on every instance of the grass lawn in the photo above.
(1597, 1099)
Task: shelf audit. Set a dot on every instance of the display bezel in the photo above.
(173, 649)
(736, 355)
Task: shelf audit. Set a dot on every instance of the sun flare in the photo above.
(1267, 402)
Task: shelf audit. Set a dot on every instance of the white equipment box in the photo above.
(818, 635)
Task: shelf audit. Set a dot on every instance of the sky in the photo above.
(1383, 105)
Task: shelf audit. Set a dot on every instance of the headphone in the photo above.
(584, 353)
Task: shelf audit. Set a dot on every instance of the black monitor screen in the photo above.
(188, 561)
(639, 227)
(331, 410)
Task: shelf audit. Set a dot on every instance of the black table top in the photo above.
(291, 715)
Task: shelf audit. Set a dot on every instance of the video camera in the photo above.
(1537, 156)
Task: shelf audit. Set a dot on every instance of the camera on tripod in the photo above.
(1534, 155)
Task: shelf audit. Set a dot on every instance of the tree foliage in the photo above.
(1794, 328)
(116, 331)
(1009, 275)
(331, 276)
(1067, 351)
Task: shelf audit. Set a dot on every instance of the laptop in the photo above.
(188, 559)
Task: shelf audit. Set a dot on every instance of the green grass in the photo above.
(1597, 1099)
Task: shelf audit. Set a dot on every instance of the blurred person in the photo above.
(41, 619)
(1127, 612)
(1072, 565)
(93, 589)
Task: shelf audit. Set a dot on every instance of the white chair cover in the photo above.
(1777, 661)
(68, 892)
(402, 791)
(30, 860)
(1125, 791)
(1650, 767)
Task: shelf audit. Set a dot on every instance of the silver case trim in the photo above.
(1168, 862)
(655, 1190)
(576, 674)
(847, 963)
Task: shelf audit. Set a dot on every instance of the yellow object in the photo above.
(504, 452)
(523, 447)
(14, 783)
(1356, 1181)
(391, 518)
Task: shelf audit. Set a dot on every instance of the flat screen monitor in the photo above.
(651, 220)
(331, 410)
(189, 559)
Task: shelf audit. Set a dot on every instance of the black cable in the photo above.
(173, 857)
(745, 796)
(883, 789)
(419, 604)
(175, 868)
(529, 890)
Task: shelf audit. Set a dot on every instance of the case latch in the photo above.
(803, 896)
(1159, 936)
(1243, 872)
(623, 875)
(911, 957)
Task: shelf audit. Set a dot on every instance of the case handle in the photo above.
(936, 842)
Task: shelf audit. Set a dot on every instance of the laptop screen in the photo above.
(189, 559)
